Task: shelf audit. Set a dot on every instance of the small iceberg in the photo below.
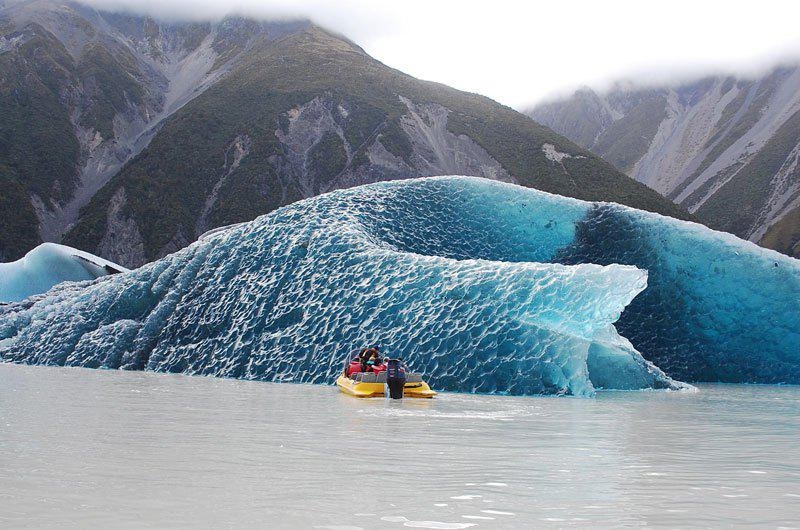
(47, 265)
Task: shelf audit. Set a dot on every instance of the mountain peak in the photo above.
(146, 133)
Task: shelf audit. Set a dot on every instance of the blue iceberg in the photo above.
(483, 286)
(716, 308)
(47, 265)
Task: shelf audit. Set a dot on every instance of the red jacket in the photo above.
(354, 368)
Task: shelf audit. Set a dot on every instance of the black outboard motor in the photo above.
(395, 377)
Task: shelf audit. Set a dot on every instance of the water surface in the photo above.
(98, 449)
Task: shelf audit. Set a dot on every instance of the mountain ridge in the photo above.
(724, 147)
(284, 111)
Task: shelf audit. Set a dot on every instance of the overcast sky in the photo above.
(521, 52)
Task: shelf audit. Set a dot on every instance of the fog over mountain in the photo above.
(521, 53)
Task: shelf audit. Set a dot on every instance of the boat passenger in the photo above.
(378, 365)
(370, 364)
(363, 358)
(353, 367)
(367, 354)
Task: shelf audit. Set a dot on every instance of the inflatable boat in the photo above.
(366, 385)
(400, 383)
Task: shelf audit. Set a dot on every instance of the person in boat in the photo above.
(368, 357)
(363, 357)
(361, 363)
(375, 362)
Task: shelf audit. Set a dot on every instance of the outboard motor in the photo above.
(395, 377)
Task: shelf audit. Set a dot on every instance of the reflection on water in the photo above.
(84, 448)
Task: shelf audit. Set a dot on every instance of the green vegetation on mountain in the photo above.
(38, 149)
(36, 136)
(42, 89)
(395, 140)
(168, 183)
(784, 236)
(110, 83)
(327, 158)
(18, 233)
(713, 182)
(295, 111)
(737, 119)
(516, 143)
(75, 80)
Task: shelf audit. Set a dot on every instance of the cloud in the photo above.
(521, 52)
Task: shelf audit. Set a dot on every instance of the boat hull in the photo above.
(368, 390)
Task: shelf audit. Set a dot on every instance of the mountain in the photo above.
(129, 137)
(727, 148)
(82, 92)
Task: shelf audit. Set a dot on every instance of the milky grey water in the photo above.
(100, 449)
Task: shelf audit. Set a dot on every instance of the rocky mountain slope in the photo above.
(82, 92)
(726, 148)
(129, 137)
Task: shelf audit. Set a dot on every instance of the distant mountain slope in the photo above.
(725, 148)
(81, 92)
(163, 131)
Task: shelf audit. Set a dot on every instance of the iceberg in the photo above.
(47, 265)
(717, 308)
(483, 286)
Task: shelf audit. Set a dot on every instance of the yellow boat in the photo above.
(366, 385)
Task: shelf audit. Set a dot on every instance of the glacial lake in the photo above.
(107, 449)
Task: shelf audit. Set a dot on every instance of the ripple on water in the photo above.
(497, 512)
(435, 525)
(338, 527)
(499, 415)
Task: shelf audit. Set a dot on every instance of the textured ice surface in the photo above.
(458, 275)
(288, 296)
(717, 308)
(47, 265)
